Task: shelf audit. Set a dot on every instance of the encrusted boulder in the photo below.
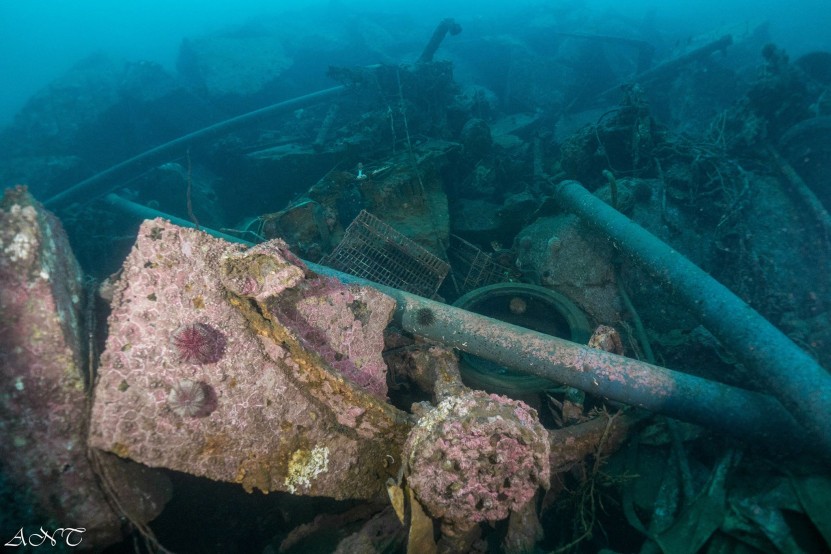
(217, 365)
(43, 399)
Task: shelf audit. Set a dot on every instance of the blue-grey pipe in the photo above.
(788, 373)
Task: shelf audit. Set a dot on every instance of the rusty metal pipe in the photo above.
(788, 373)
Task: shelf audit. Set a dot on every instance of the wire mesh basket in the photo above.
(373, 250)
(473, 268)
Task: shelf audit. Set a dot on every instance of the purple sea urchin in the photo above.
(191, 399)
(199, 343)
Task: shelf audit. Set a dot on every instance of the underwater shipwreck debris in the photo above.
(43, 389)
(744, 414)
(283, 311)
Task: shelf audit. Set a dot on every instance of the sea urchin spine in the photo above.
(199, 343)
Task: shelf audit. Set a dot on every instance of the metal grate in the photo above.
(473, 268)
(373, 250)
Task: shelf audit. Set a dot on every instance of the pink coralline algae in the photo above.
(199, 343)
(476, 457)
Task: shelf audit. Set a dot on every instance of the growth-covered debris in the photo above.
(274, 394)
